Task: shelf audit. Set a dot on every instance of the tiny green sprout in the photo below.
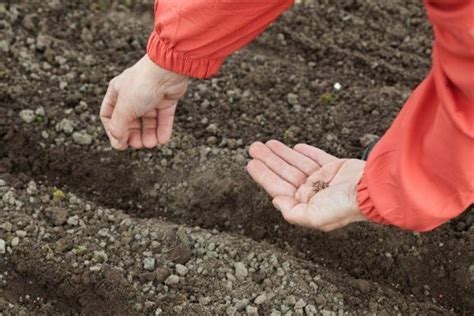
(39, 119)
(327, 98)
(58, 195)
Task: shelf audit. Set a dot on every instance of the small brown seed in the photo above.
(319, 186)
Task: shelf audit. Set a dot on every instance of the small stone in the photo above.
(21, 233)
(27, 116)
(212, 128)
(205, 300)
(325, 312)
(82, 138)
(40, 111)
(181, 270)
(95, 268)
(4, 46)
(471, 272)
(260, 299)
(32, 188)
(162, 274)
(292, 98)
(337, 86)
(231, 311)
(2, 247)
(172, 279)
(7, 226)
(73, 220)
(368, 139)
(251, 310)
(290, 300)
(15, 241)
(63, 85)
(240, 270)
(300, 304)
(66, 126)
(149, 264)
(310, 310)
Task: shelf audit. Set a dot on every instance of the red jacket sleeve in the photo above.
(421, 173)
(193, 37)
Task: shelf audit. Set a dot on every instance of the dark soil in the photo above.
(61, 56)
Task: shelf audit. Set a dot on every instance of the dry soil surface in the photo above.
(182, 229)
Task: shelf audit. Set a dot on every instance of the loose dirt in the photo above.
(182, 229)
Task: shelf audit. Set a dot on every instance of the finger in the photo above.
(293, 211)
(108, 103)
(107, 107)
(165, 121)
(279, 166)
(272, 183)
(120, 124)
(149, 126)
(135, 138)
(294, 158)
(318, 155)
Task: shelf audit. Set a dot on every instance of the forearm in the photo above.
(421, 173)
(193, 38)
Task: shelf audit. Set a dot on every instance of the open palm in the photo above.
(290, 177)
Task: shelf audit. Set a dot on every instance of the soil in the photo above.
(182, 229)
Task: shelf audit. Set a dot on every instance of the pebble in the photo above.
(73, 220)
(27, 116)
(21, 233)
(292, 98)
(337, 86)
(40, 111)
(66, 126)
(310, 310)
(212, 128)
(149, 264)
(260, 299)
(15, 241)
(367, 139)
(57, 215)
(205, 300)
(240, 270)
(471, 272)
(181, 270)
(7, 226)
(82, 138)
(251, 310)
(300, 304)
(172, 279)
(2, 246)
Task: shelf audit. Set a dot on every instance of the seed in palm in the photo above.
(319, 185)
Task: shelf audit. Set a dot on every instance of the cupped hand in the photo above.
(295, 179)
(139, 106)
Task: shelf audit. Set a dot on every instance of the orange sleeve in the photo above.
(421, 173)
(193, 37)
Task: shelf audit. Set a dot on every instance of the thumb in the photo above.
(119, 127)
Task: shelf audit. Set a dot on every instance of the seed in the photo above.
(319, 185)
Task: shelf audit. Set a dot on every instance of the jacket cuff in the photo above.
(366, 206)
(162, 54)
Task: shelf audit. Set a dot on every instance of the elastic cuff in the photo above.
(366, 206)
(162, 54)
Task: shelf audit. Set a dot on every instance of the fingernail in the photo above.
(113, 142)
(277, 206)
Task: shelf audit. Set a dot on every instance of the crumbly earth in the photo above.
(182, 230)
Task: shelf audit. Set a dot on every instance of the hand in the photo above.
(139, 106)
(292, 176)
